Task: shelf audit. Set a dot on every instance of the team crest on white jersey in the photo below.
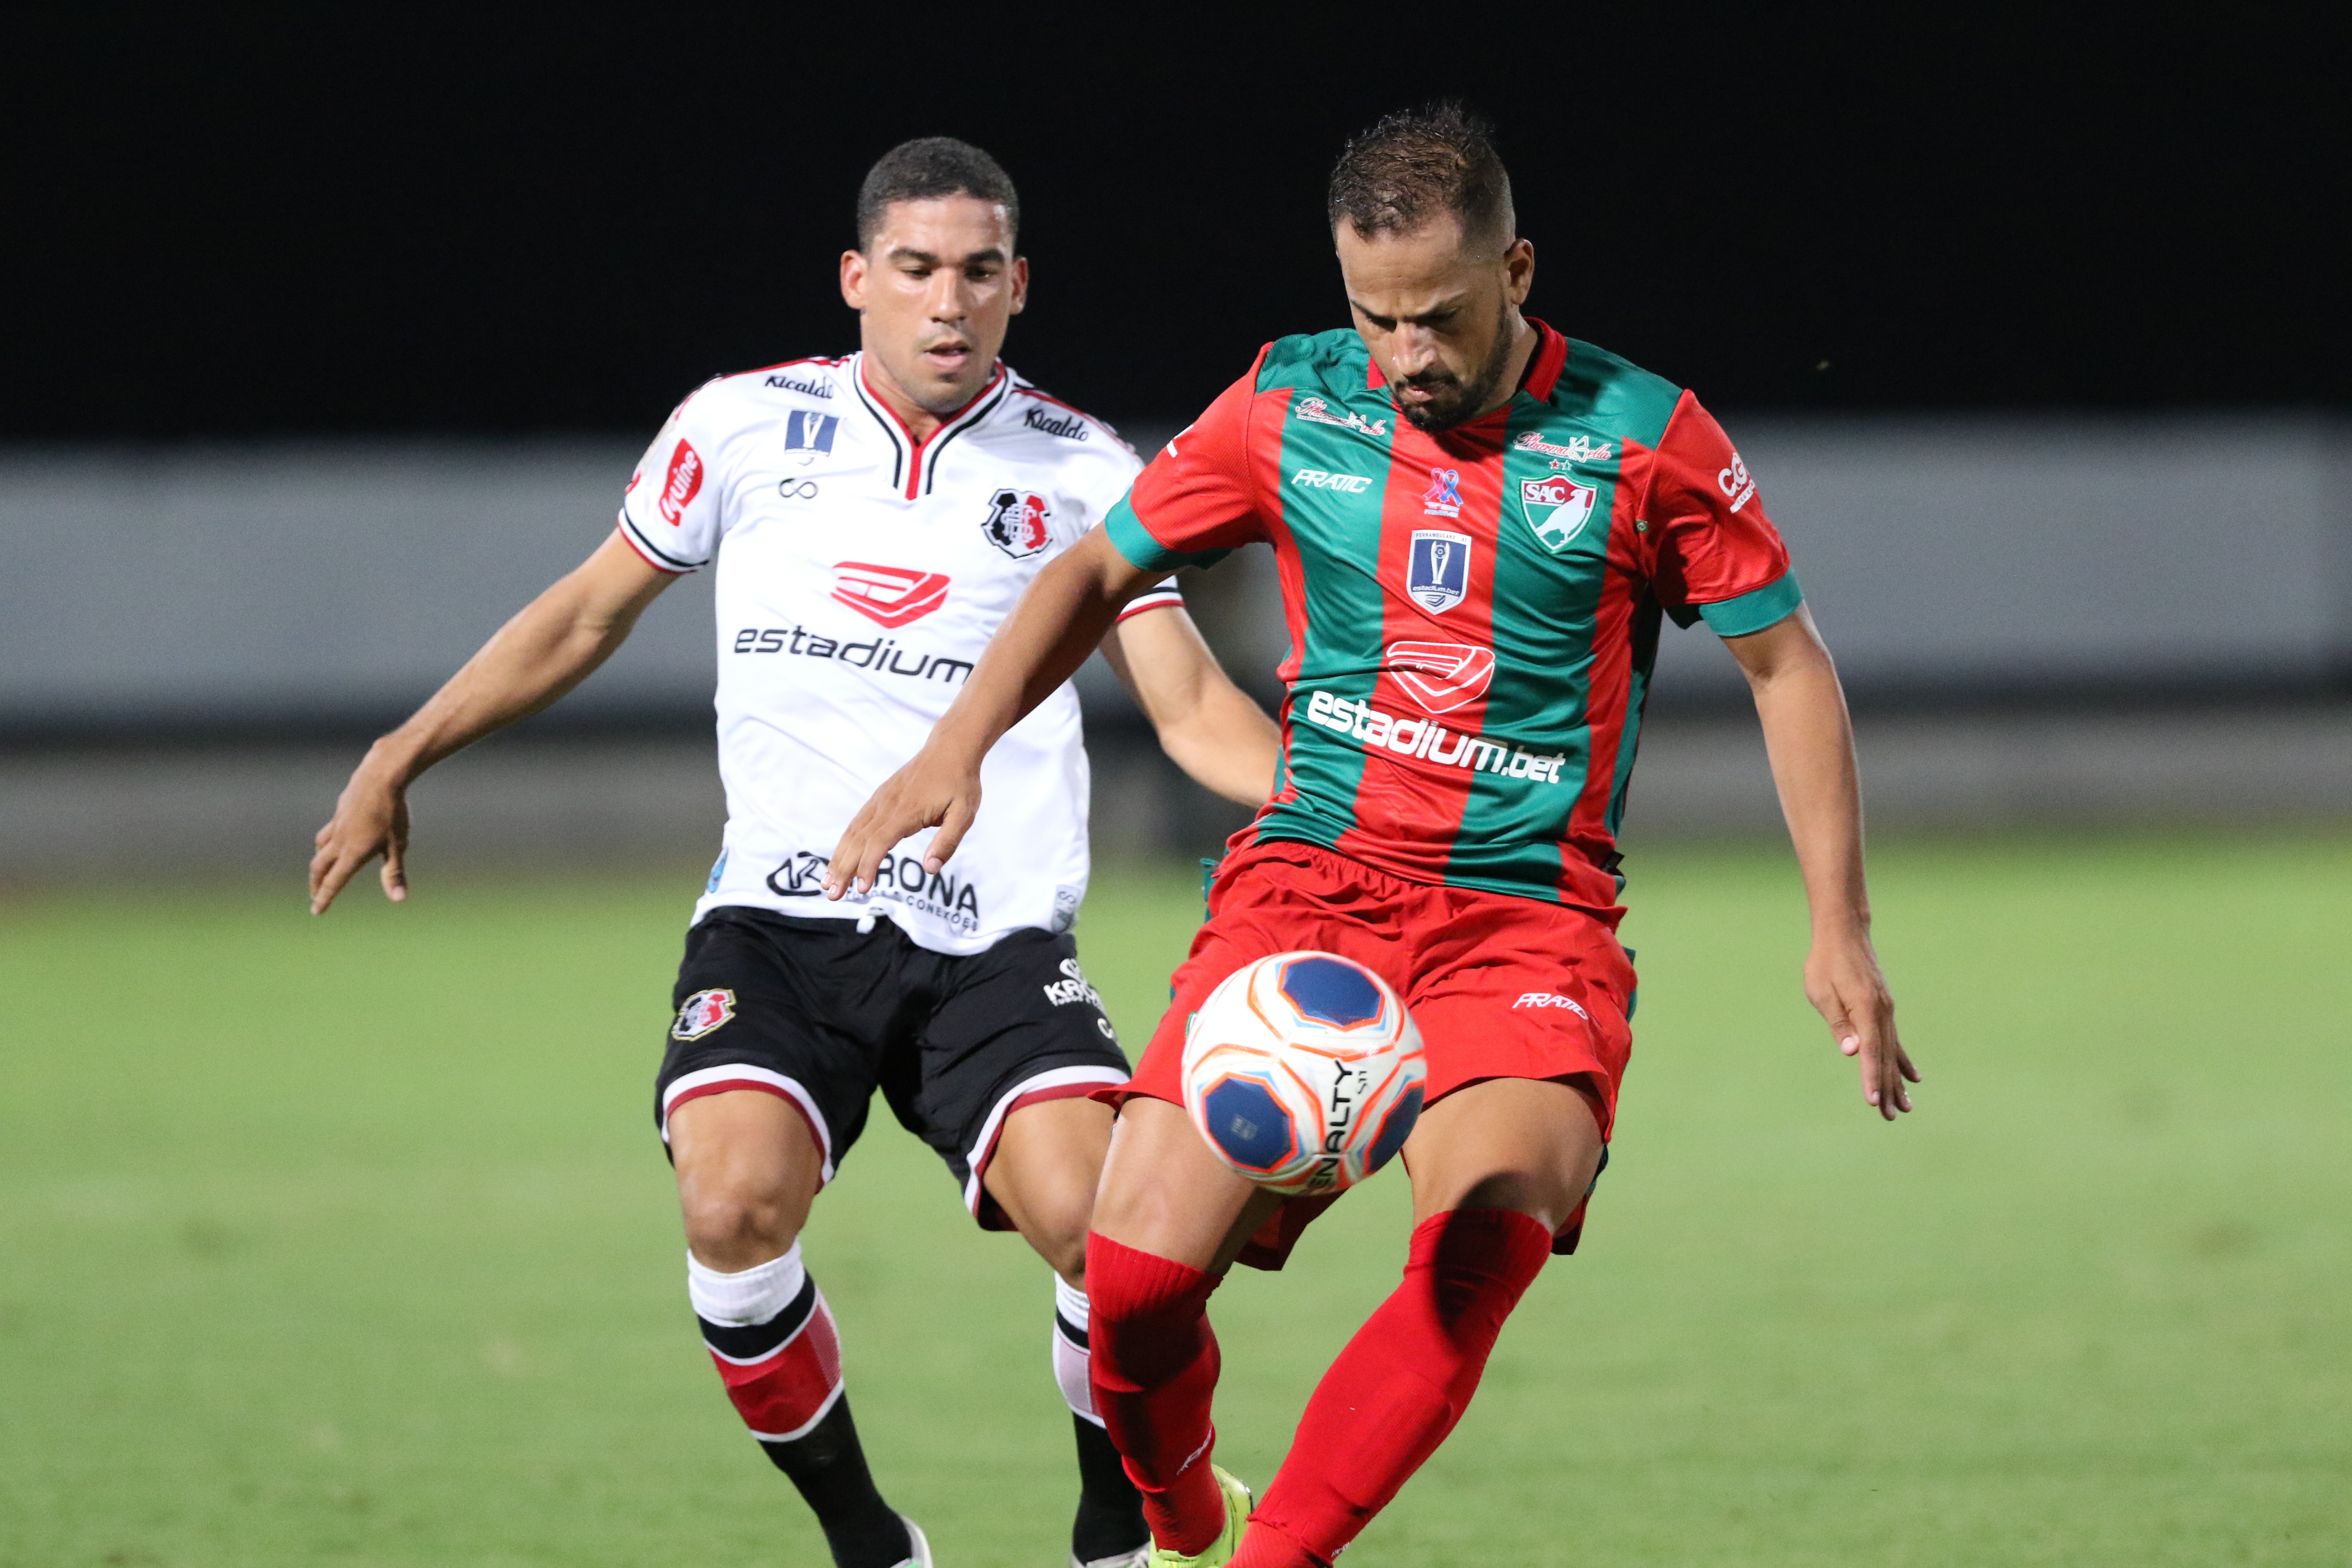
(1016, 522)
(1437, 572)
(1556, 507)
(704, 1011)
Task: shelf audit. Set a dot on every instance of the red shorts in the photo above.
(1501, 986)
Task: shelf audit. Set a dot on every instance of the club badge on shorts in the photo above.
(704, 1011)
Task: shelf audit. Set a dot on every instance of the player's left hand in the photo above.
(933, 790)
(1844, 982)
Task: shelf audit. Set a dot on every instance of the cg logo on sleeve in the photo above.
(1556, 507)
(1437, 574)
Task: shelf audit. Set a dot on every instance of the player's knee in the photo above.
(1061, 1241)
(1546, 1191)
(737, 1222)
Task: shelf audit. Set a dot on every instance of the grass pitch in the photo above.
(349, 1242)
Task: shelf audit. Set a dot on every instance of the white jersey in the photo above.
(860, 573)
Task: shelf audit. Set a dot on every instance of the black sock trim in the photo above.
(749, 1342)
(1070, 1330)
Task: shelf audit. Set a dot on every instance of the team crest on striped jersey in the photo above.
(1437, 572)
(1556, 507)
(704, 1011)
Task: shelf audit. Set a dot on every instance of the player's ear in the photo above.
(1020, 284)
(1519, 270)
(853, 279)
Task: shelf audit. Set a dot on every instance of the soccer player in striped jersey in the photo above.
(1480, 524)
(871, 520)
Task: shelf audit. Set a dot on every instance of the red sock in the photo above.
(1154, 1368)
(1398, 1389)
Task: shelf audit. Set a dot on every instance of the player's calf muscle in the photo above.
(746, 1172)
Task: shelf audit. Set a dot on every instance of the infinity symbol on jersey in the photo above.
(796, 490)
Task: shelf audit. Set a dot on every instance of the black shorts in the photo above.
(822, 1014)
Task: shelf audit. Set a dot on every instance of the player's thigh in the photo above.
(1164, 1191)
(747, 1168)
(1525, 1144)
(765, 1075)
(1048, 1159)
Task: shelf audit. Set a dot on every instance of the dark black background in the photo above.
(239, 222)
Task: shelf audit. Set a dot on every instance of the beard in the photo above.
(1453, 400)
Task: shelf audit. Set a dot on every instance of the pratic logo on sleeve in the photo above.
(1322, 480)
(1428, 740)
(680, 485)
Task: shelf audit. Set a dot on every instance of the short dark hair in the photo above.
(1418, 163)
(927, 168)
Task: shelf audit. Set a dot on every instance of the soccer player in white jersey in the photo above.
(873, 518)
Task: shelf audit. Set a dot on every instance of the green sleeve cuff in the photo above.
(1133, 540)
(1766, 606)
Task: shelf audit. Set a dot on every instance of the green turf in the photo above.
(349, 1242)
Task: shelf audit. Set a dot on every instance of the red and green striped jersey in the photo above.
(1473, 614)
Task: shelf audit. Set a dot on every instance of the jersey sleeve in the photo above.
(1195, 501)
(1163, 597)
(670, 513)
(1715, 554)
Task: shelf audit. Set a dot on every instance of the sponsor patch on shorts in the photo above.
(704, 1011)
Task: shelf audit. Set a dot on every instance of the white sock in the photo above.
(753, 1296)
(1070, 1355)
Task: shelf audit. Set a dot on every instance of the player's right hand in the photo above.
(933, 790)
(371, 819)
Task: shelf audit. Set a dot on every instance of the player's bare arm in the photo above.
(1059, 621)
(1207, 725)
(554, 644)
(1811, 739)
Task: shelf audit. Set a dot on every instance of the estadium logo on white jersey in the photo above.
(878, 655)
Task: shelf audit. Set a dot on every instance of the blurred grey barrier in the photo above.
(2068, 617)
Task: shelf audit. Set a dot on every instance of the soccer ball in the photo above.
(1304, 1072)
